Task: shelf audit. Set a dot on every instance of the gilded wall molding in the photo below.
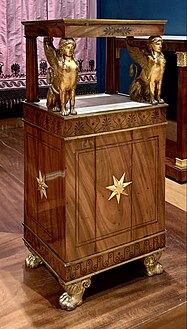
(181, 59)
(181, 163)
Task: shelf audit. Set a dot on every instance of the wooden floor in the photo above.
(120, 298)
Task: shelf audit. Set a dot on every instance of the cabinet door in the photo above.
(148, 177)
(113, 220)
(80, 197)
(45, 215)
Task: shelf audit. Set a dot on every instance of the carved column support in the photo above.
(73, 295)
(152, 265)
(32, 89)
(117, 69)
(111, 66)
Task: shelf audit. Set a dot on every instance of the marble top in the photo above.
(89, 104)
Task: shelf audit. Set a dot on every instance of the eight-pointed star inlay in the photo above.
(42, 186)
(118, 188)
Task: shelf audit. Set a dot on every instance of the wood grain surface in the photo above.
(120, 298)
(75, 229)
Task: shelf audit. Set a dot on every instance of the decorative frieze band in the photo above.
(95, 263)
(92, 125)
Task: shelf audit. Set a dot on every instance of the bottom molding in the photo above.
(85, 267)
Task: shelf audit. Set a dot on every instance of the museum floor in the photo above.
(121, 298)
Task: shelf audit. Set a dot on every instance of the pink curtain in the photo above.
(12, 41)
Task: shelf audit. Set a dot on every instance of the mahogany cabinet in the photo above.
(72, 222)
(74, 229)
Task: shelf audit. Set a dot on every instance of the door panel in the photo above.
(113, 220)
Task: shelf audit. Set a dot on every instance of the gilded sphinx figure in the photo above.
(62, 75)
(146, 87)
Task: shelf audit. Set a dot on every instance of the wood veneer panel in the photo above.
(113, 220)
(121, 298)
(93, 28)
(80, 198)
(45, 216)
(148, 185)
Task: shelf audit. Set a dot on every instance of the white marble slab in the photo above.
(112, 106)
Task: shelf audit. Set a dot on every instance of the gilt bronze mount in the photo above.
(146, 87)
(61, 75)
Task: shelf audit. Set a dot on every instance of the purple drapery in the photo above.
(12, 41)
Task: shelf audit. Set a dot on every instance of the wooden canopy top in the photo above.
(72, 28)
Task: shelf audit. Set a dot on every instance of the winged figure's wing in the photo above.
(51, 54)
(138, 55)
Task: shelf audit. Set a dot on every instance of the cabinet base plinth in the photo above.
(75, 276)
(74, 290)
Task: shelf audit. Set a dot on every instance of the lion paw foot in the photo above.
(160, 101)
(33, 261)
(73, 112)
(68, 302)
(154, 102)
(158, 269)
(65, 112)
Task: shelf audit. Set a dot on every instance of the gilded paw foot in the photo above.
(160, 101)
(33, 261)
(65, 112)
(157, 269)
(73, 295)
(154, 102)
(73, 112)
(152, 265)
(68, 303)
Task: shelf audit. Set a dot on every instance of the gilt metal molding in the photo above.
(181, 163)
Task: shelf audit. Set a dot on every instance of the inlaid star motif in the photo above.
(42, 186)
(118, 188)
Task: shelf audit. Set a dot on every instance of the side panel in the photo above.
(44, 160)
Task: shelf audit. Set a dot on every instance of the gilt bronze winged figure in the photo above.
(62, 75)
(146, 87)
